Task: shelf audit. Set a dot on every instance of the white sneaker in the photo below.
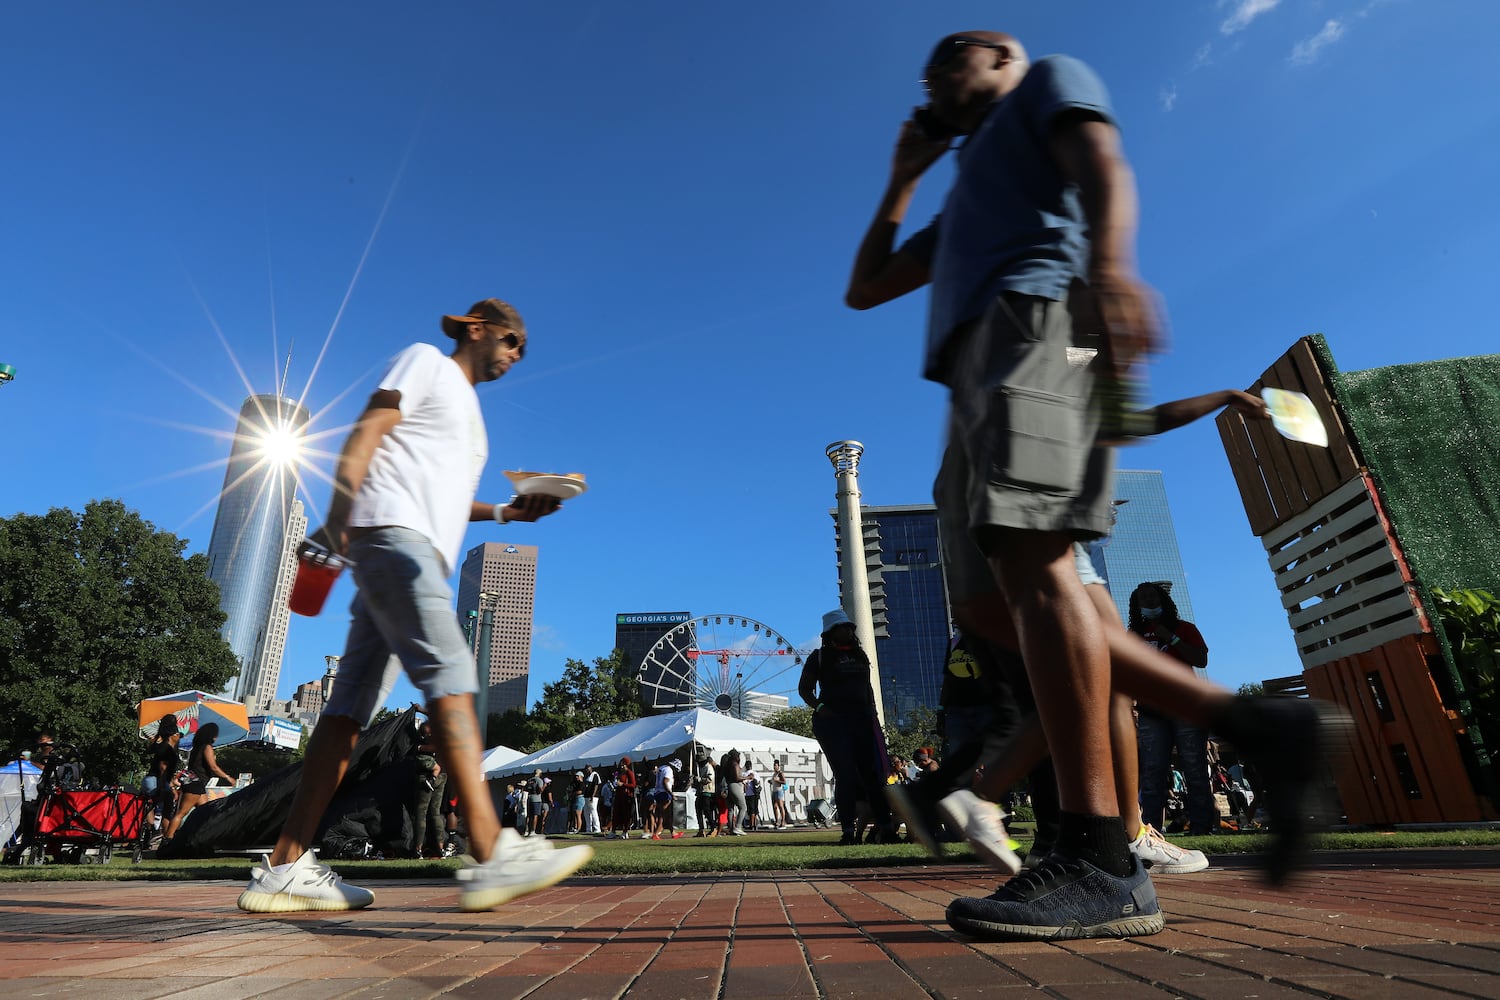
(519, 866)
(305, 885)
(980, 822)
(1161, 855)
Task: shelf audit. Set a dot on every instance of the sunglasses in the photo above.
(945, 53)
(511, 339)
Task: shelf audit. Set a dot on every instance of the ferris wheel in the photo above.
(729, 664)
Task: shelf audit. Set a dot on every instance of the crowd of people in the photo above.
(727, 793)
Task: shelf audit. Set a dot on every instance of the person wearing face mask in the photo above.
(835, 683)
(1153, 617)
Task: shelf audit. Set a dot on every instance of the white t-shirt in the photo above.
(664, 778)
(426, 471)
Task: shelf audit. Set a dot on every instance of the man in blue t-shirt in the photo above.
(1035, 299)
(1034, 294)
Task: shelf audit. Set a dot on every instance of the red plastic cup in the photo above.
(317, 568)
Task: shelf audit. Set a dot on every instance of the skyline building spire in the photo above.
(258, 516)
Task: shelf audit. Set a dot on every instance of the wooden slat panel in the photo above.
(1371, 605)
(1341, 452)
(1373, 784)
(1317, 512)
(1366, 566)
(1302, 470)
(1246, 470)
(1411, 685)
(1361, 518)
(1270, 448)
(1364, 641)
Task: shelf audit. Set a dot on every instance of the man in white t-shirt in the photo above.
(659, 819)
(403, 498)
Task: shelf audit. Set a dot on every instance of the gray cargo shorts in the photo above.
(1021, 450)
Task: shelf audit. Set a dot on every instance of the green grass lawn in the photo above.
(780, 851)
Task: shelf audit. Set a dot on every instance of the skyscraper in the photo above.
(508, 573)
(913, 620)
(265, 674)
(253, 532)
(1143, 546)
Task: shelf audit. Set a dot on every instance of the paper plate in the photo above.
(1294, 417)
(562, 487)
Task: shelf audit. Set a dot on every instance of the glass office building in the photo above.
(1143, 546)
(909, 598)
(247, 549)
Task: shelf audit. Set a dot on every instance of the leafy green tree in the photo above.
(515, 729)
(587, 696)
(97, 611)
(918, 729)
(796, 720)
(1251, 689)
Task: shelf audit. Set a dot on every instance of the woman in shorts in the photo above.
(193, 780)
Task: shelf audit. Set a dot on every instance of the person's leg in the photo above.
(1154, 736)
(835, 739)
(1067, 662)
(421, 796)
(1192, 751)
(436, 833)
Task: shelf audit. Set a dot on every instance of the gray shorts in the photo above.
(1021, 449)
(403, 619)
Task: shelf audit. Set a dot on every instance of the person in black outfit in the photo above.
(201, 766)
(836, 685)
(165, 763)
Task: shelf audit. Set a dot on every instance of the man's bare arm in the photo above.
(381, 414)
(1087, 151)
(1179, 412)
(880, 273)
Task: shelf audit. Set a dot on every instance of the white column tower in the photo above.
(856, 590)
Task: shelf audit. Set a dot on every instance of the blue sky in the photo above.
(672, 193)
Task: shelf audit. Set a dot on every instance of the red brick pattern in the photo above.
(1403, 925)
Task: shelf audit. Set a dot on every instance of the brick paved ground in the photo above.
(1405, 925)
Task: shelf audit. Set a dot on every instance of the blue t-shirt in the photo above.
(1011, 222)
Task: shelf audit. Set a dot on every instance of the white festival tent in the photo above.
(655, 736)
(497, 757)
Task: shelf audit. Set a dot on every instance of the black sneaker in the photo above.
(1062, 898)
(849, 839)
(1290, 740)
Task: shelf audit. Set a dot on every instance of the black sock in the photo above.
(1099, 840)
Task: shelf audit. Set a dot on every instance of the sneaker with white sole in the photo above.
(517, 867)
(1062, 898)
(305, 884)
(1161, 855)
(981, 824)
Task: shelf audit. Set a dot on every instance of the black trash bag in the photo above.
(252, 817)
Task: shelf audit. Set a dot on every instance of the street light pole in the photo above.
(482, 662)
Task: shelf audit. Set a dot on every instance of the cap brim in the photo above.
(454, 326)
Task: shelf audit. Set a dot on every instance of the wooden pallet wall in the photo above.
(1407, 766)
(1277, 478)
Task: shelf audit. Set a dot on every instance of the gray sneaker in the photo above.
(981, 824)
(518, 866)
(305, 885)
(1062, 898)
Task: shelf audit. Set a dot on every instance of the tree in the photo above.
(1251, 690)
(918, 729)
(98, 611)
(796, 720)
(585, 697)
